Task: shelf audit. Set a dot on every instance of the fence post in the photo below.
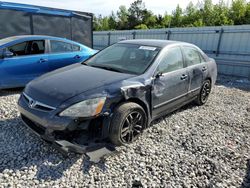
(134, 33)
(31, 25)
(219, 41)
(109, 34)
(168, 34)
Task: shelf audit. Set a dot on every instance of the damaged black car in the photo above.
(114, 95)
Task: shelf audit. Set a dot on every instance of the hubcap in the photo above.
(205, 91)
(132, 127)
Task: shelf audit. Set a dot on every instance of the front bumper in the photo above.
(65, 134)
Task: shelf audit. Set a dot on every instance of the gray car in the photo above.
(115, 95)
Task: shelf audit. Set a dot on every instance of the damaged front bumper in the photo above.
(67, 134)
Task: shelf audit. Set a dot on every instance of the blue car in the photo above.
(23, 58)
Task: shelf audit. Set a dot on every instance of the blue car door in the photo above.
(29, 61)
(62, 54)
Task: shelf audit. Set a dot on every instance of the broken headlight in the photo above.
(87, 108)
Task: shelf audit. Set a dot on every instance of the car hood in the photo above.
(58, 86)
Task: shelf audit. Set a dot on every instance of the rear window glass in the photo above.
(192, 56)
(59, 46)
(75, 47)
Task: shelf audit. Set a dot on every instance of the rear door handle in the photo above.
(43, 60)
(184, 77)
(77, 57)
(204, 69)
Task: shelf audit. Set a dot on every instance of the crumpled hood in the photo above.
(58, 86)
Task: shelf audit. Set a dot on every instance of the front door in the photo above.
(171, 82)
(28, 62)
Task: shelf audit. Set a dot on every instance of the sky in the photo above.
(104, 7)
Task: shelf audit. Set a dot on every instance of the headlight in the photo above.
(86, 108)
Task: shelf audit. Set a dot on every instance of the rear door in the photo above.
(197, 68)
(63, 54)
(170, 87)
(29, 61)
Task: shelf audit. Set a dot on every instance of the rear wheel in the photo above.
(204, 93)
(127, 124)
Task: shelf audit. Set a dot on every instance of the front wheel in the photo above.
(127, 124)
(204, 93)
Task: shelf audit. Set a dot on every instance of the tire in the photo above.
(204, 93)
(128, 122)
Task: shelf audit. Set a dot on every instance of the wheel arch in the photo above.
(139, 102)
(208, 78)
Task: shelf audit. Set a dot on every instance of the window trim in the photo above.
(167, 50)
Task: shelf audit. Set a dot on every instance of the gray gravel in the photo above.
(206, 146)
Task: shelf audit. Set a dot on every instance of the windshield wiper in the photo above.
(107, 68)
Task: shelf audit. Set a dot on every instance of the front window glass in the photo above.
(28, 48)
(127, 58)
(19, 49)
(37, 47)
(59, 46)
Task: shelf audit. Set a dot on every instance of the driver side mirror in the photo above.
(7, 54)
(158, 75)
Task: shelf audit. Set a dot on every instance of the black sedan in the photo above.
(115, 95)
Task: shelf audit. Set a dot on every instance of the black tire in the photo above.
(204, 93)
(128, 122)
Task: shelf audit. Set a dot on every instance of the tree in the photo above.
(149, 19)
(141, 26)
(247, 14)
(192, 16)
(122, 15)
(136, 13)
(112, 21)
(238, 11)
(166, 20)
(204, 13)
(176, 20)
(221, 14)
(97, 23)
(208, 13)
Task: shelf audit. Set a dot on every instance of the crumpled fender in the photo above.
(137, 91)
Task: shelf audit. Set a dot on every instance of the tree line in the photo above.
(204, 13)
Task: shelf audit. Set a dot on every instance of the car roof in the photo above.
(32, 37)
(152, 42)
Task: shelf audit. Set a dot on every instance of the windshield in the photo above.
(126, 58)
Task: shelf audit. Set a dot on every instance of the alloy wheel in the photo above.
(205, 91)
(132, 127)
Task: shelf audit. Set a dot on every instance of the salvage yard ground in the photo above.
(207, 146)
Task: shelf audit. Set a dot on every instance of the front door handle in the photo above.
(204, 69)
(43, 60)
(184, 77)
(77, 57)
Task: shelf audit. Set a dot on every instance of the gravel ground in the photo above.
(207, 146)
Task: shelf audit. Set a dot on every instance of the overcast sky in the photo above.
(105, 7)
